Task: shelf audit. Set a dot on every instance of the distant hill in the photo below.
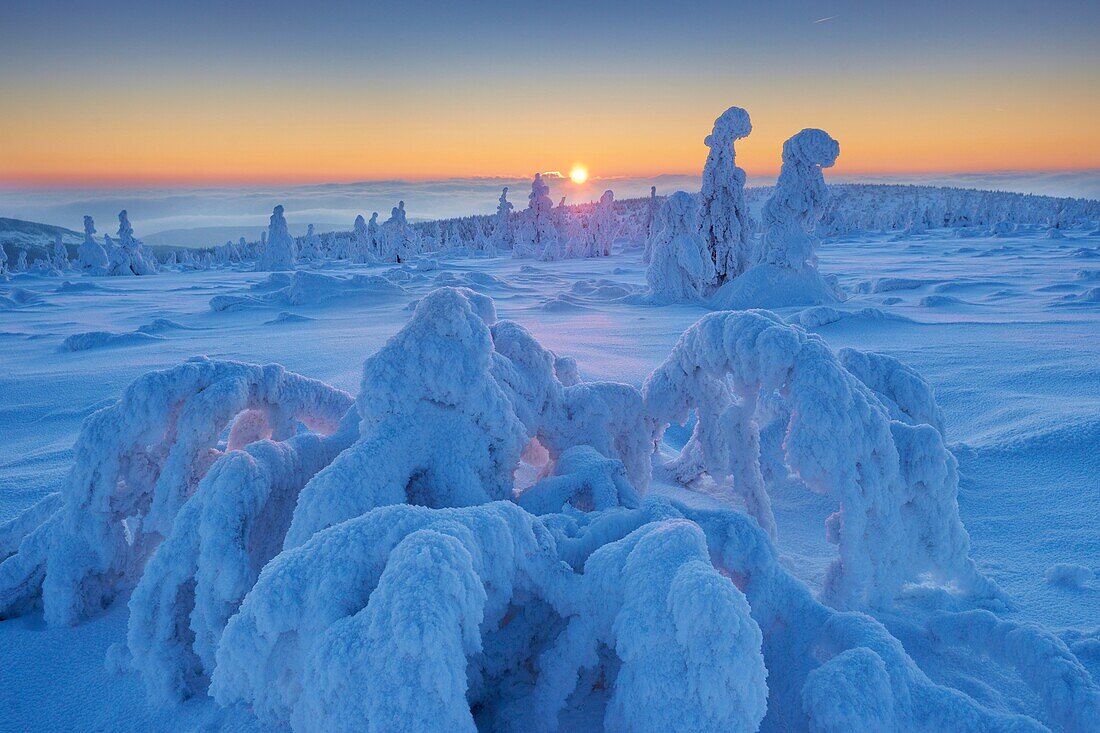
(38, 239)
(212, 236)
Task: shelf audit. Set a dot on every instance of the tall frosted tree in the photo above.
(503, 238)
(724, 218)
(361, 244)
(800, 194)
(278, 251)
(537, 233)
(604, 226)
(60, 254)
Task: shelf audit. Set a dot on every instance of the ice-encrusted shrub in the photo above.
(285, 584)
(228, 530)
(418, 615)
(135, 464)
(436, 429)
(895, 484)
(680, 268)
(908, 396)
(724, 218)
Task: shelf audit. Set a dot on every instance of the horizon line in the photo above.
(45, 183)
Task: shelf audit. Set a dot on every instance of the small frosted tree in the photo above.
(680, 266)
(503, 238)
(652, 214)
(373, 235)
(132, 255)
(60, 254)
(604, 226)
(724, 218)
(397, 239)
(278, 250)
(361, 240)
(537, 232)
(800, 194)
(21, 261)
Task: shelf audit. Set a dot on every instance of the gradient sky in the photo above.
(125, 93)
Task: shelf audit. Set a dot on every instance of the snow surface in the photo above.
(985, 345)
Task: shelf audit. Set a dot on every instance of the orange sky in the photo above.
(1009, 92)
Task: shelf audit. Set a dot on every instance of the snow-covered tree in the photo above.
(723, 217)
(334, 569)
(21, 261)
(374, 236)
(361, 245)
(680, 268)
(536, 232)
(503, 238)
(60, 256)
(652, 224)
(604, 226)
(796, 204)
(397, 239)
(278, 252)
(127, 256)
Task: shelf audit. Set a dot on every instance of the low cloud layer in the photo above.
(206, 216)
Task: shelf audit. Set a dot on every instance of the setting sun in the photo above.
(579, 174)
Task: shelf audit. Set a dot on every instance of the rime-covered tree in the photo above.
(503, 238)
(60, 256)
(680, 267)
(361, 249)
(652, 213)
(537, 232)
(604, 226)
(800, 194)
(398, 241)
(724, 218)
(278, 252)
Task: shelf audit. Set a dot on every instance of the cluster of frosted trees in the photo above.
(706, 249)
(124, 256)
(337, 564)
(547, 232)
(915, 209)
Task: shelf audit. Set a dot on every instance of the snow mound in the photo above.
(940, 301)
(13, 298)
(163, 325)
(772, 286)
(77, 287)
(1087, 298)
(1070, 575)
(103, 339)
(285, 317)
(311, 288)
(823, 315)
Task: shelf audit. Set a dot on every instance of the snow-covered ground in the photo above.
(1006, 329)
